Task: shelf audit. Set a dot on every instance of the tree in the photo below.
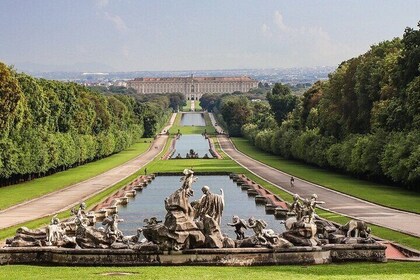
(11, 100)
(236, 112)
(176, 101)
(408, 64)
(281, 101)
(208, 101)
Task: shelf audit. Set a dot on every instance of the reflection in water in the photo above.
(193, 119)
(150, 203)
(196, 142)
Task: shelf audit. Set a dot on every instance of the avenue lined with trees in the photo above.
(364, 120)
(48, 126)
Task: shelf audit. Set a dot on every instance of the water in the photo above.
(149, 203)
(196, 142)
(192, 119)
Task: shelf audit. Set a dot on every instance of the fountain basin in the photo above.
(225, 257)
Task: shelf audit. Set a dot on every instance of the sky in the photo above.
(155, 35)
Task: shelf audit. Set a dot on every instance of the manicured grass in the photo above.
(197, 105)
(192, 129)
(15, 194)
(383, 271)
(187, 107)
(204, 165)
(381, 194)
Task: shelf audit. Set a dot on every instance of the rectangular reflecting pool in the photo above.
(150, 203)
(197, 142)
(193, 119)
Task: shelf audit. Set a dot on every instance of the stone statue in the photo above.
(296, 207)
(239, 224)
(111, 226)
(359, 228)
(301, 230)
(55, 231)
(179, 223)
(310, 207)
(262, 236)
(211, 204)
(258, 226)
(179, 199)
(180, 230)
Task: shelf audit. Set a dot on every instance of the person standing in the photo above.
(292, 181)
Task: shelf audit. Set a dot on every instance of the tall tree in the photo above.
(282, 102)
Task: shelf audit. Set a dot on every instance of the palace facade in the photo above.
(193, 87)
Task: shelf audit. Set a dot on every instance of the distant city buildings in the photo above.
(192, 87)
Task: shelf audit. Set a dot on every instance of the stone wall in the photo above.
(226, 257)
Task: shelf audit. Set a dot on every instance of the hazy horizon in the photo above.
(183, 35)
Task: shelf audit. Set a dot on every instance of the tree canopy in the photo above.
(47, 126)
(364, 120)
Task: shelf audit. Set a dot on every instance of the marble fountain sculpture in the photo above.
(190, 233)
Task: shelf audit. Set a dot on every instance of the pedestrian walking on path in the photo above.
(292, 181)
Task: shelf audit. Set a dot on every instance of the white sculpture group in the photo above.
(191, 225)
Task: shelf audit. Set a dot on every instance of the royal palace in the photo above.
(193, 87)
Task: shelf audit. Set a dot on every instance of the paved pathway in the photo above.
(63, 199)
(214, 123)
(334, 201)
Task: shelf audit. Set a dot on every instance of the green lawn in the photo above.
(192, 129)
(187, 107)
(14, 194)
(381, 194)
(382, 271)
(197, 105)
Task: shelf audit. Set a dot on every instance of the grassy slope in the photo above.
(380, 194)
(192, 129)
(197, 105)
(187, 107)
(14, 194)
(391, 270)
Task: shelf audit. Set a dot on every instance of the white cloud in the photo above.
(117, 21)
(278, 21)
(304, 45)
(266, 30)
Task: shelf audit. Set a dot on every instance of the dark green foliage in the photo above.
(177, 101)
(401, 158)
(282, 102)
(11, 100)
(408, 64)
(113, 90)
(208, 101)
(364, 120)
(236, 112)
(48, 126)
